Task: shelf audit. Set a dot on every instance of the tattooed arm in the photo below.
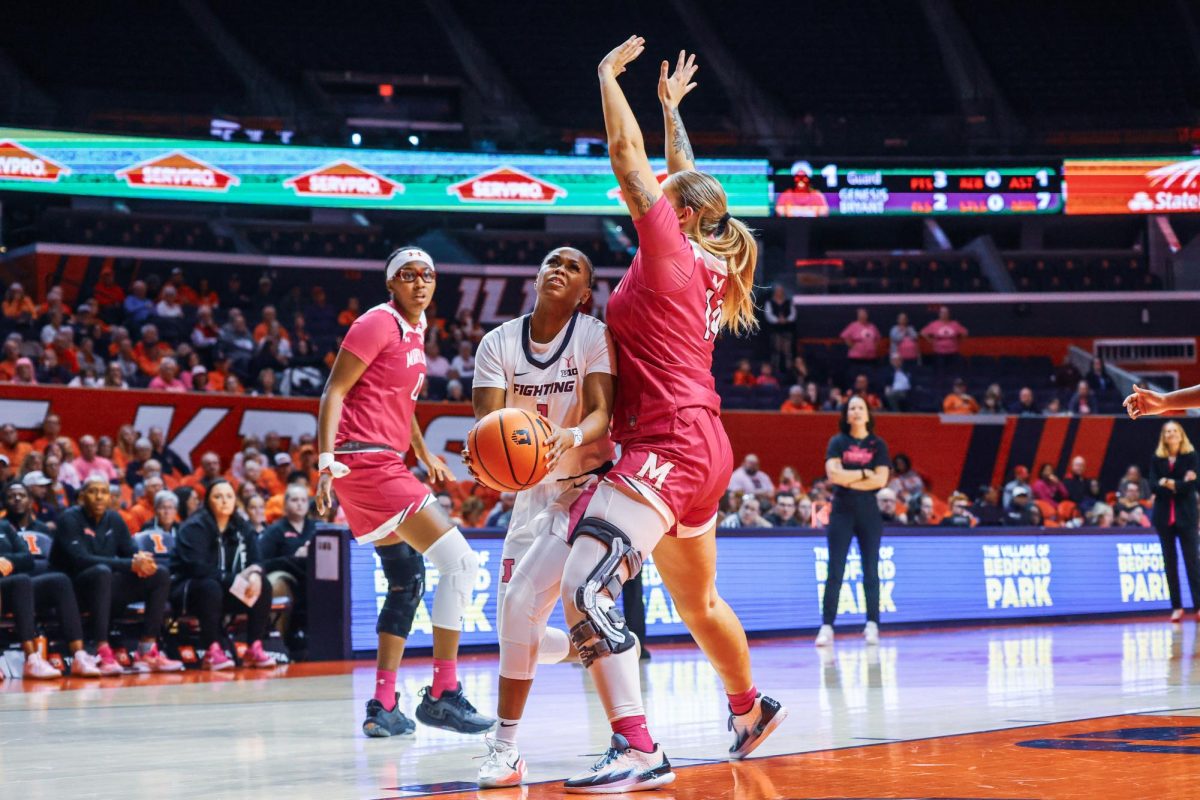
(671, 91)
(626, 149)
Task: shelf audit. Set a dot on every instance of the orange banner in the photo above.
(1132, 186)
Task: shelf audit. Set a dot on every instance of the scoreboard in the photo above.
(807, 190)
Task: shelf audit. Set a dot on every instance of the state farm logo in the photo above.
(343, 179)
(18, 163)
(616, 194)
(178, 170)
(506, 185)
(1185, 172)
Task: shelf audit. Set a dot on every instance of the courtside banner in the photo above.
(177, 169)
(1132, 186)
(775, 582)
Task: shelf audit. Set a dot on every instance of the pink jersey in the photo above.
(945, 336)
(379, 409)
(664, 316)
(864, 339)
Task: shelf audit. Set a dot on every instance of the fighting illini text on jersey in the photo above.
(665, 315)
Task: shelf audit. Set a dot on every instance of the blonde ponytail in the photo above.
(727, 238)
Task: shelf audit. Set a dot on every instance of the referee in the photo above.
(857, 463)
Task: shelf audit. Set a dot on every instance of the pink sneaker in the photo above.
(39, 669)
(108, 662)
(257, 657)
(83, 665)
(215, 659)
(154, 661)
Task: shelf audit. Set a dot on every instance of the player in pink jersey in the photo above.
(692, 277)
(367, 422)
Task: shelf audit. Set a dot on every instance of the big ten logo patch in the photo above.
(1017, 575)
(660, 608)
(855, 679)
(567, 367)
(852, 599)
(1150, 654)
(1143, 577)
(475, 617)
(1021, 664)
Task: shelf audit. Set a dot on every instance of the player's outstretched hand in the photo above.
(438, 471)
(672, 90)
(1145, 403)
(620, 56)
(559, 442)
(324, 493)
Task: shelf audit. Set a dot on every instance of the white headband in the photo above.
(404, 257)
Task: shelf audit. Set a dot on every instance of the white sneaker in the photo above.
(502, 766)
(623, 769)
(39, 669)
(824, 636)
(871, 633)
(751, 728)
(83, 665)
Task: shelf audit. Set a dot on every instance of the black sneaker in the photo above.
(381, 723)
(452, 712)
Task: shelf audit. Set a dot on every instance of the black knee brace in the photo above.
(404, 569)
(603, 631)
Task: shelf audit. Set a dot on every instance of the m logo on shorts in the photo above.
(654, 473)
(521, 436)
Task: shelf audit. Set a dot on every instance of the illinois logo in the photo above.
(521, 436)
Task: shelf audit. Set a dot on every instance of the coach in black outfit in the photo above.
(858, 464)
(93, 546)
(1173, 479)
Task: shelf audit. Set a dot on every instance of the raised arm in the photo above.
(671, 91)
(626, 148)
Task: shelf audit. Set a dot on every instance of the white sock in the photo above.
(506, 731)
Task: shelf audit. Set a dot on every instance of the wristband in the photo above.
(578, 434)
(327, 463)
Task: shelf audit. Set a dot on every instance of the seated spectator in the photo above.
(987, 507)
(812, 393)
(783, 514)
(1093, 497)
(1082, 402)
(205, 295)
(899, 384)
(945, 336)
(1053, 408)
(922, 511)
(464, 363)
(214, 549)
(746, 516)
(1020, 478)
(744, 375)
(1101, 516)
(1026, 404)
(789, 482)
(958, 401)
(19, 309)
(87, 356)
(960, 515)
(501, 514)
(168, 307)
(1066, 376)
(454, 392)
(766, 376)
(150, 350)
(205, 333)
(189, 501)
(834, 401)
(905, 482)
(993, 401)
(93, 547)
(1129, 498)
(1098, 379)
(796, 402)
(889, 508)
(806, 514)
(167, 379)
(1132, 473)
(862, 388)
(233, 295)
(283, 548)
(256, 513)
(11, 445)
(436, 365)
(270, 319)
(171, 463)
(50, 497)
(1048, 487)
(141, 512)
(235, 343)
(166, 513)
(321, 317)
(54, 305)
(138, 307)
(143, 452)
(1076, 483)
(264, 386)
(51, 433)
(905, 341)
(114, 377)
(1035, 516)
(49, 371)
(12, 354)
(1020, 511)
(108, 296)
(749, 479)
(90, 461)
(348, 314)
(184, 294)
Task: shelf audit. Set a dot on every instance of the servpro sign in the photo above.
(19, 163)
(506, 185)
(343, 179)
(178, 170)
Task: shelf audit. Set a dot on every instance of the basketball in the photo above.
(508, 449)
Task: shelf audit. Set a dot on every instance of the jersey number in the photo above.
(417, 389)
(712, 315)
(544, 409)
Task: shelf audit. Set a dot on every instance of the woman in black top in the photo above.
(213, 549)
(1173, 479)
(857, 463)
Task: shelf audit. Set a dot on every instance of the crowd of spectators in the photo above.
(170, 335)
(753, 500)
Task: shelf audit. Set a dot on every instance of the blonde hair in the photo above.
(1185, 445)
(726, 238)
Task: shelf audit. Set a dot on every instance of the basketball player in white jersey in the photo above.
(555, 361)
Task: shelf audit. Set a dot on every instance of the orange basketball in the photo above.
(508, 449)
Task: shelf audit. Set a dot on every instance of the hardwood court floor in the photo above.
(1054, 712)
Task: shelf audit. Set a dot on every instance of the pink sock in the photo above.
(105, 653)
(742, 702)
(385, 687)
(635, 732)
(445, 676)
